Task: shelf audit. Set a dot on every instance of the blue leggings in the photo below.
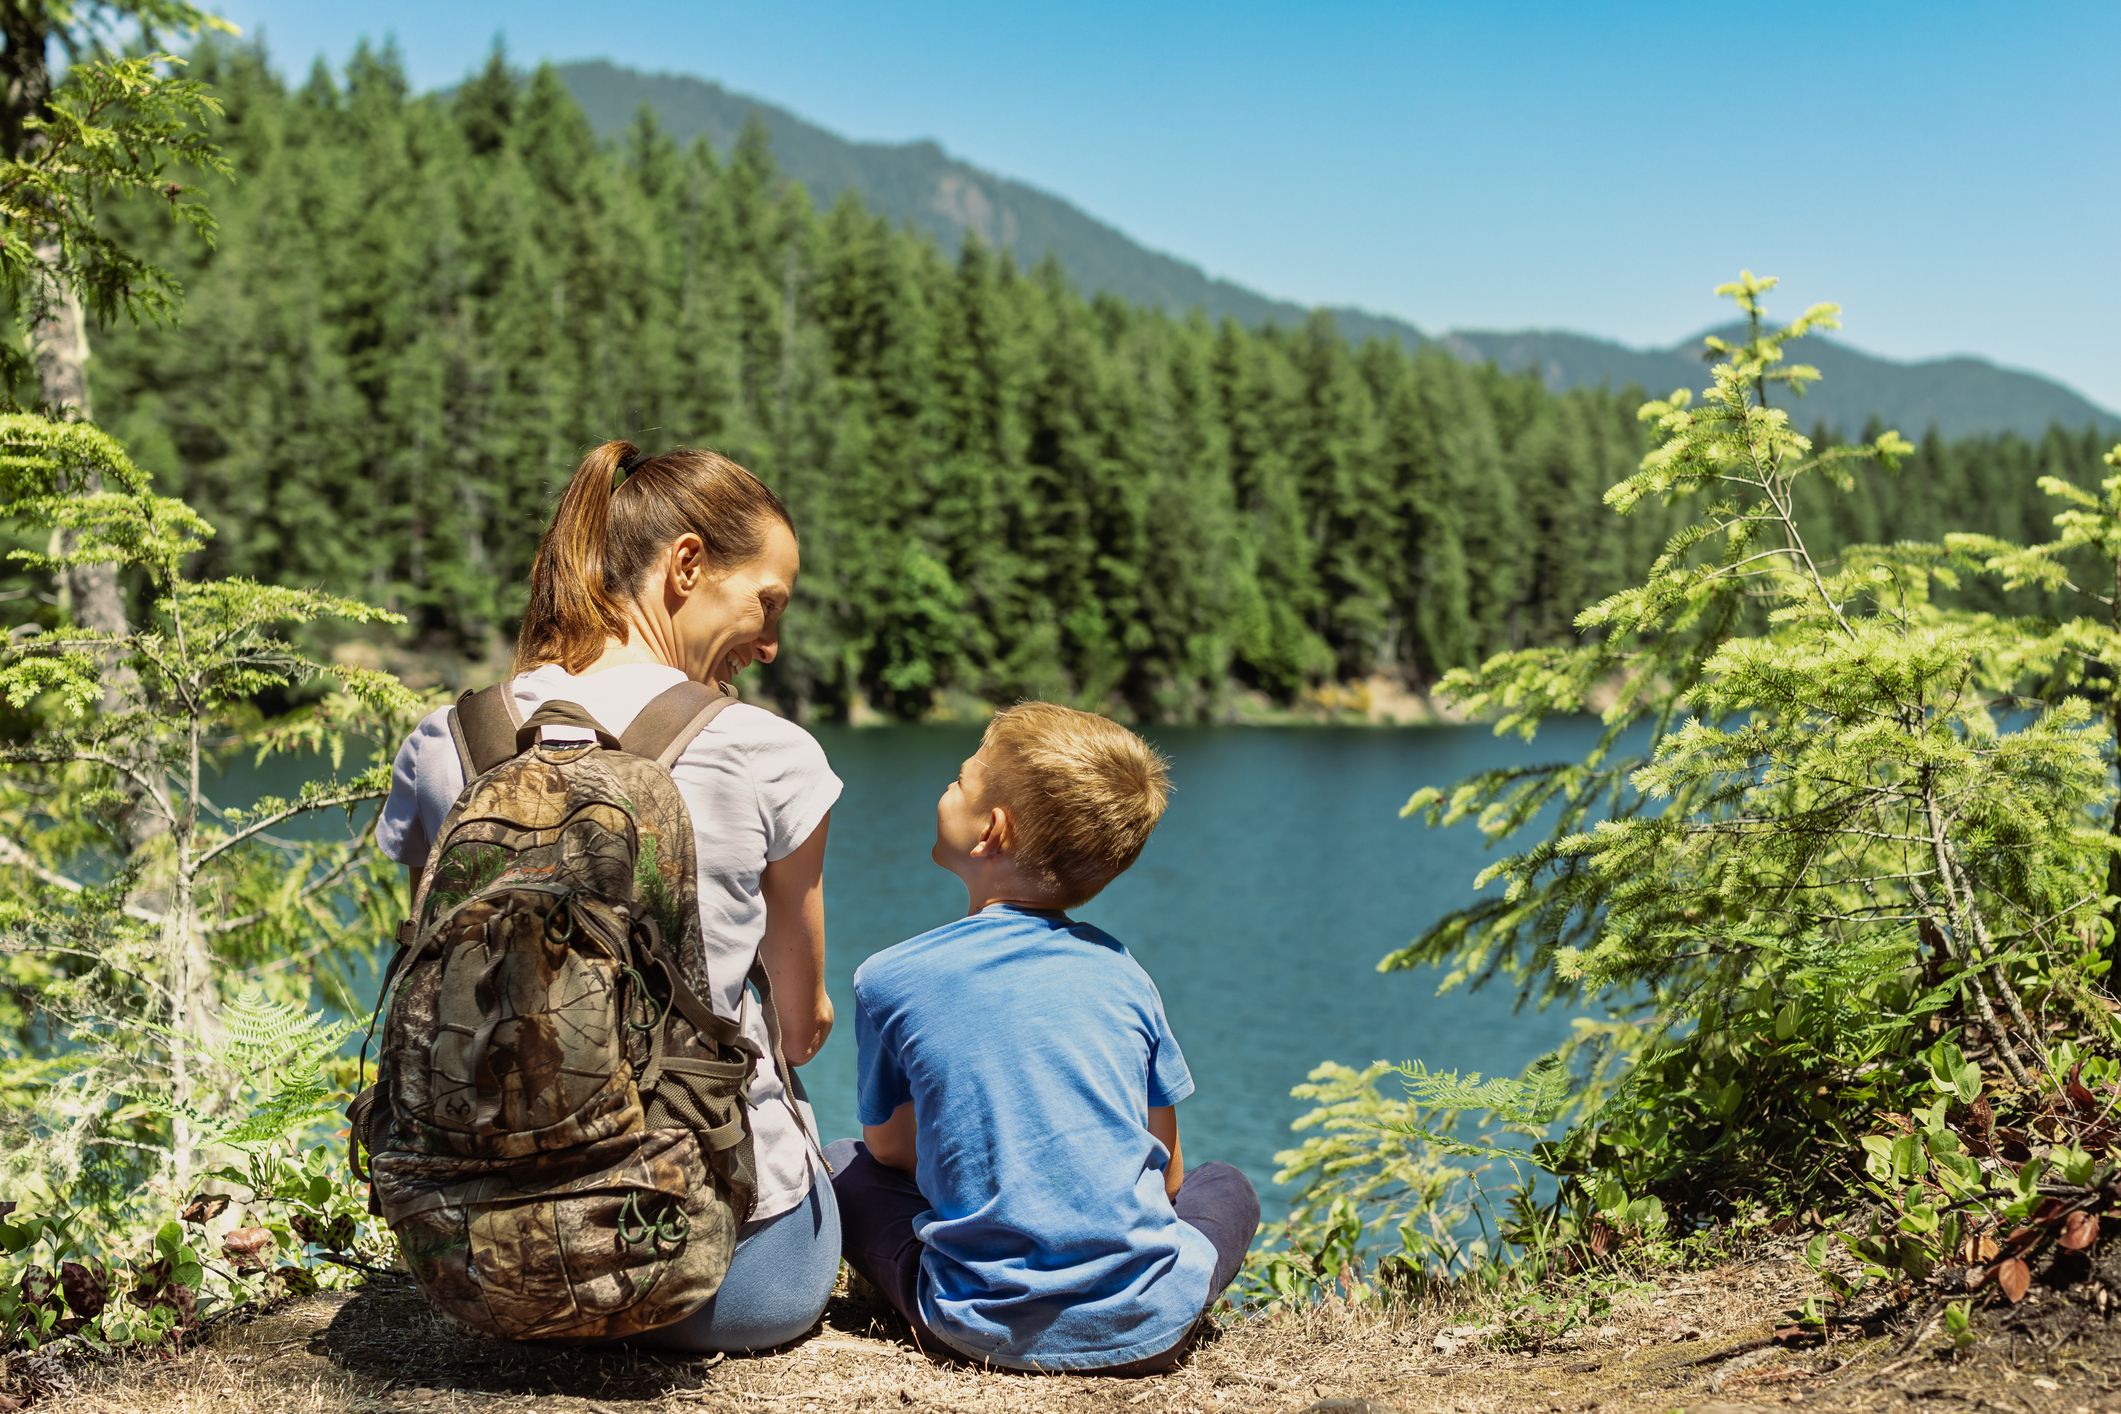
(778, 1281)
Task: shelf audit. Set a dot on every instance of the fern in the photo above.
(276, 1052)
(1526, 1105)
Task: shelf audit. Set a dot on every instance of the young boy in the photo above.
(1019, 1196)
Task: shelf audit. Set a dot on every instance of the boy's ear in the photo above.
(999, 833)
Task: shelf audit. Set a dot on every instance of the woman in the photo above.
(682, 570)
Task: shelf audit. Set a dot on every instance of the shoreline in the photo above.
(1379, 700)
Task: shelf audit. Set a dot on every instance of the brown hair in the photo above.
(1083, 793)
(603, 540)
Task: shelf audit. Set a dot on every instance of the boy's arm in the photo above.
(1163, 1123)
(891, 1143)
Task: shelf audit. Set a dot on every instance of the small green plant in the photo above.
(1958, 1184)
(1393, 1201)
(302, 1193)
(1543, 1317)
(1371, 1197)
(1959, 1324)
(53, 1289)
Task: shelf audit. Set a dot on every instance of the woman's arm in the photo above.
(1163, 1123)
(891, 1143)
(794, 947)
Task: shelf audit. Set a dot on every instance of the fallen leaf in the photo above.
(2013, 1278)
(1978, 1248)
(2080, 1230)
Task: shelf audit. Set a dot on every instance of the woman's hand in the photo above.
(794, 947)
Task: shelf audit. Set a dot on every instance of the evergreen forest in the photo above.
(422, 309)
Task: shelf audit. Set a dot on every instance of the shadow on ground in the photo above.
(387, 1333)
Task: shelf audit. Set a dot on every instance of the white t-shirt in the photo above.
(756, 786)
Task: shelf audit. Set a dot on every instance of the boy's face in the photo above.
(962, 815)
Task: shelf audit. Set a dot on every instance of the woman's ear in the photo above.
(687, 563)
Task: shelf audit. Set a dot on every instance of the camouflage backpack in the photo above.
(558, 1132)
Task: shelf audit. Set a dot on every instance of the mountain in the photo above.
(1957, 396)
(920, 184)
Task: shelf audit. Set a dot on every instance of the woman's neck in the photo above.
(634, 652)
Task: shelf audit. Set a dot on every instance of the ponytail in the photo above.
(604, 539)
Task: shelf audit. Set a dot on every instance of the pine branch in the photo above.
(301, 807)
(16, 855)
(337, 875)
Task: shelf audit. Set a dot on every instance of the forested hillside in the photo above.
(919, 184)
(423, 309)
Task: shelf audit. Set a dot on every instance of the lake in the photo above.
(1280, 875)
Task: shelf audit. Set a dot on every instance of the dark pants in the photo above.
(878, 1206)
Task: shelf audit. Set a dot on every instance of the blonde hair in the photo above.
(1083, 793)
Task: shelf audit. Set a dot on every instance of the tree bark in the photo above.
(25, 77)
(59, 350)
(58, 333)
(2111, 982)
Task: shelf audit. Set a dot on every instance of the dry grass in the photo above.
(1692, 1341)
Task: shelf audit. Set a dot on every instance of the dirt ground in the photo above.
(1697, 1341)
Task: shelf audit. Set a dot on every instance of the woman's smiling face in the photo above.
(727, 621)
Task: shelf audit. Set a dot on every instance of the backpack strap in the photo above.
(661, 732)
(667, 725)
(484, 726)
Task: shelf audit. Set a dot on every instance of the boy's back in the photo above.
(1032, 1048)
(1019, 1191)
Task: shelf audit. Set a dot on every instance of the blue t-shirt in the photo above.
(1032, 1048)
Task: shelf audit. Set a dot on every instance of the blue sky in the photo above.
(1949, 172)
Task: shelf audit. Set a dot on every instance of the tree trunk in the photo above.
(59, 348)
(25, 78)
(2112, 980)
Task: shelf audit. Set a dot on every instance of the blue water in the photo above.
(1280, 875)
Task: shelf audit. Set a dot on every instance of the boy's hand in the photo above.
(1163, 1123)
(891, 1143)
